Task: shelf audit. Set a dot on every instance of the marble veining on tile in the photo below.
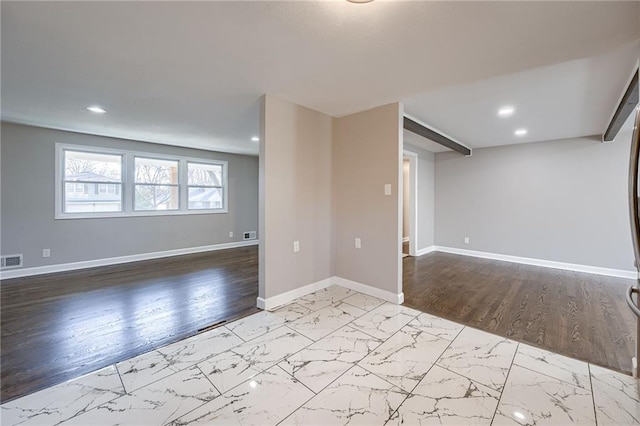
(480, 356)
(200, 347)
(363, 301)
(321, 363)
(264, 400)
(385, 320)
(357, 397)
(557, 366)
(147, 368)
(156, 404)
(405, 358)
(325, 297)
(227, 370)
(616, 397)
(443, 397)
(440, 327)
(233, 367)
(326, 320)
(263, 322)
(338, 357)
(61, 402)
(533, 398)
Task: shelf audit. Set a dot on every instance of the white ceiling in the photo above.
(191, 73)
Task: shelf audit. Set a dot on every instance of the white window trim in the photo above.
(128, 183)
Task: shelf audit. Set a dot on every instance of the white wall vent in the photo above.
(249, 235)
(11, 261)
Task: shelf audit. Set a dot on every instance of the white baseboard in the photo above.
(425, 250)
(270, 303)
(49, 269)
(619, 273)
(371, 291)
(284, 298)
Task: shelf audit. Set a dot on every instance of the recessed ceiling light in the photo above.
(97, 109)
(359, 1)
(521, 132)
(506, 111)
(255, 139)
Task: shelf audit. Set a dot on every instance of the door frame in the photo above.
(413, 199)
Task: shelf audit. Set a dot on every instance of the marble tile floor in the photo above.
(338, 357)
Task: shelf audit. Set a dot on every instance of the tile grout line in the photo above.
(506, 379)
(209, 380)
(270, 365)
(276, 364)
(164, 356)
(234, 333)
(551, 377)
(354, 364)
(593, 397)
(313, 394)
(201, 405)
(475, 380)
(408, 393)
(120, 377)
(425, 375)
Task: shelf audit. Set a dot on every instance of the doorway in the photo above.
(409, 203)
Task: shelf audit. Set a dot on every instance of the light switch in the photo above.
(358, 243)
(387, 189)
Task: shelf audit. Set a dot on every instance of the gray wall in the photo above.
(28, 225)
(426, 196)
(367, 155)
(295, 204)
(562, 200)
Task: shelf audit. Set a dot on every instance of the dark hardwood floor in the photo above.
(583, 316)
(60, 326)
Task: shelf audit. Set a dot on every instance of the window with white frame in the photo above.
(156, 184)
(206, 190)
(84, 174)
(101, 182)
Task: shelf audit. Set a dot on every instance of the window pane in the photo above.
(205, 198)
(93, 167)
(86, 198)
(205, 174)
(151, 170)
(156, 197)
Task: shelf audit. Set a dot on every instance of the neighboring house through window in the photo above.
(100, 182)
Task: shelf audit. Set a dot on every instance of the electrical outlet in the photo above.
(230, 234)
(466, 240)
(46, 252)
(387, 189)
(358, 243)
(296, 246)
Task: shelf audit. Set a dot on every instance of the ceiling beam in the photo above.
(626, 106)
(433, 135)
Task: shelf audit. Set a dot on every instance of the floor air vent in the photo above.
(249, 235)
(11, 261)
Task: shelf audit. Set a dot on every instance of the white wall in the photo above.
(564, 201)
